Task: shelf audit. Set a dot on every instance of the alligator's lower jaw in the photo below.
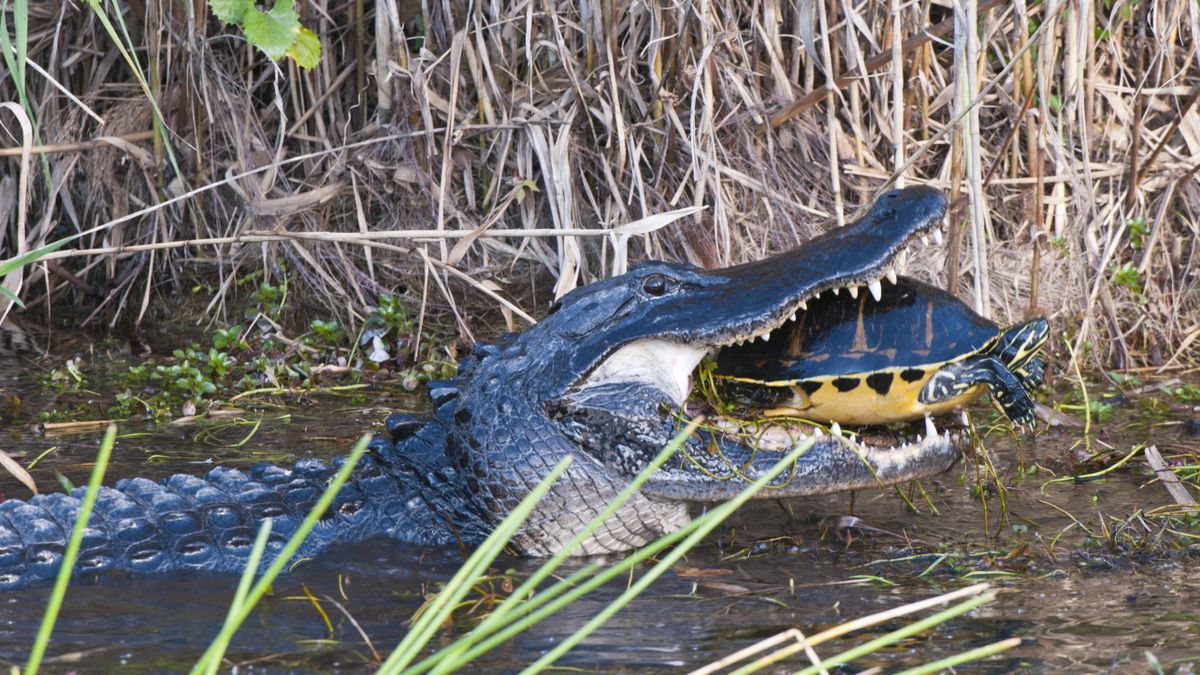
(778, 434)
(849, 460)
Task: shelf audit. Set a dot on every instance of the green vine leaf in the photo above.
(230, 11)
(273, 31)
(306, 50)
(277, 32)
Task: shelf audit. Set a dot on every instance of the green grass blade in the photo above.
(433, 617)
(701, 527)
(963, 657)
(129, 53)
(551, 600)
(285, 556)
(72, 552)
(500, 616)
(239, 597)
(33, 256)
(14, 54)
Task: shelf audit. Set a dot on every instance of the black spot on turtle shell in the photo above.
(912, 374)
(810, 387)
(880, 382)
(844, 384)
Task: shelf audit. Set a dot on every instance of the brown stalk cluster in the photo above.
(431, 133)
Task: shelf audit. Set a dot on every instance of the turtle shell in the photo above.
(913, 325)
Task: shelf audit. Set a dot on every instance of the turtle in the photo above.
(909, 351)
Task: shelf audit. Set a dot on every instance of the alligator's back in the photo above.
(187, 522)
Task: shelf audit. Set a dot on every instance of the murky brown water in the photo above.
(1079, 604)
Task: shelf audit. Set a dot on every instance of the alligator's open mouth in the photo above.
(720, 308)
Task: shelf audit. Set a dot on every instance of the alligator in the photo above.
(601, 378)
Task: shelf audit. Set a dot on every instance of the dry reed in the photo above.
(1071, 136)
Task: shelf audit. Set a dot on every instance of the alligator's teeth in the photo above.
(793, 317)
(891, 276)
(919, 440)
(966, 422)
(816, 295)
(804, 306)
(765, 337)
(937, 237)
(876, 289)
(924, 240)
(835, 429)
(930, 429)
(854, 292)
(836, 290)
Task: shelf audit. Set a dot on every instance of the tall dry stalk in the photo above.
(559, 117)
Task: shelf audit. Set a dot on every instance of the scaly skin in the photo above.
(596, 379)
(185, 522)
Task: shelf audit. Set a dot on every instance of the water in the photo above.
(1078, 603)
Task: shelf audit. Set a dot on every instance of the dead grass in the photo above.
(1058, 130)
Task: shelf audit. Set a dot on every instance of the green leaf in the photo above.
(306, 50)
(275, 31)
(230, 11)
(12, 297)
(33, 256)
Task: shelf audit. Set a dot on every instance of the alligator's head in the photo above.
(612, 363)
(652, 325)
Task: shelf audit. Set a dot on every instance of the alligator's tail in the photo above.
(210, 523)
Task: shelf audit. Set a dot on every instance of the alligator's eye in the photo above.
(656, 285)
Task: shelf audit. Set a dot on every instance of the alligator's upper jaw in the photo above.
(664, 340)
(758, 297)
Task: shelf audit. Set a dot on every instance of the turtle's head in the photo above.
(653, 325)
(1021, 343)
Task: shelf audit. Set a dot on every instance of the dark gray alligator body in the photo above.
(601, 379)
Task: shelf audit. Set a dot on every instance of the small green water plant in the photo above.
(263, 359)
(1126, 275)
